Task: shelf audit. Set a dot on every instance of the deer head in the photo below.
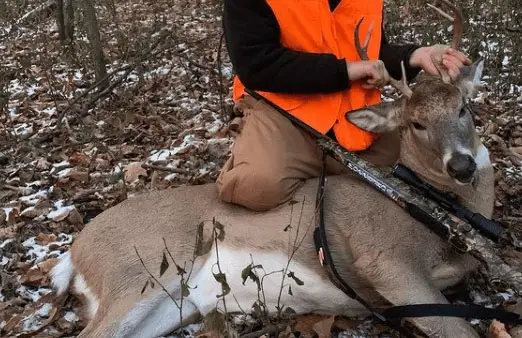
(435, 121)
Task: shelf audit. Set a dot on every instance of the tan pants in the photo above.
(271, 158)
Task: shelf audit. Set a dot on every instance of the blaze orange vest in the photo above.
(310, 26)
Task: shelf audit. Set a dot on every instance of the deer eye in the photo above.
(418, 126)
(463, 112)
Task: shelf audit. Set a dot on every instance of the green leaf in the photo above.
(289, 311)
(145, 286)
(297, 280)
(181, 271)
(185, 291)
(221, 233)
(222, 279)
(164, 264)
(258, 311)
(249, 273)
(202, 247)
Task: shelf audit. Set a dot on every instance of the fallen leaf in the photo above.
(305, 324)
(497, 330)
(44, 239)
(42, 164)
(133, 171)
(39, 274)
(343, 324)
(78, 175)
(75, 217)
(287, 333)
(80, 159)
(61, 213)
(324, 327)
(32, 212)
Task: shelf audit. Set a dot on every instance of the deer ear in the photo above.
(470, 76)
(380, 118)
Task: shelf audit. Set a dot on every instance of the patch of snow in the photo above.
(35, 198)
(71, 317)
(8, 211)
(32, 295)
(33, 322)
(164, 154)
(50, 111)
(60, 213)
(23, 130)
(37, 253)
(7, 241)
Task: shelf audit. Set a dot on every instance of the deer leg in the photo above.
(408, 286)
(152, 317)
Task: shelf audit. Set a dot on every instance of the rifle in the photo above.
(466, 231)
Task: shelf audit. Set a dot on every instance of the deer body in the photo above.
(379, 250)
(378, 247)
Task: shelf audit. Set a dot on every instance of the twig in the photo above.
(221, 273)
(128, 68)
(90, 89)
(295, 247)
(266, 330)
(162, 168)
(183, 280)
(155, 279)
(220, 75)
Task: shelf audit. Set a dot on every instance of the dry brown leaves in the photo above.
(498, 330)
(133, 171)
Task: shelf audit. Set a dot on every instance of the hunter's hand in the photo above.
(446, 56)
(372, 72)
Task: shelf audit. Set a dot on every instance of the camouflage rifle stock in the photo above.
(458, 232)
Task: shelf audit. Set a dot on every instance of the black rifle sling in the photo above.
(325, 258)
(393, 314)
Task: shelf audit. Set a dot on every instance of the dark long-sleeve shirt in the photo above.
(262, 63)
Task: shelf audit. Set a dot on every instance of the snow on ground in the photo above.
(165, 126)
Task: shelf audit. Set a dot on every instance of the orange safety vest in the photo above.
(310, 26)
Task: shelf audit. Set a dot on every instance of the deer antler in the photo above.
(402, 85)
(457, 20)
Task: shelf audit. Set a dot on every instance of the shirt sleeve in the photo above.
(261, 62)
(392, 55)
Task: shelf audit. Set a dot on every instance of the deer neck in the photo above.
(478, 196)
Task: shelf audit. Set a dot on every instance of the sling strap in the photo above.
(392, 315)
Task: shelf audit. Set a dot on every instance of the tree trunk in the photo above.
(69, 20)
(3, 9)
(93, 34)
(59, 21)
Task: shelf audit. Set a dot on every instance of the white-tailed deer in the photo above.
(377, 247)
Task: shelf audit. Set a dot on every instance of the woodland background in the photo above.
(104, 99)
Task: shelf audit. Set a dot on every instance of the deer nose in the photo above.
(461, 167)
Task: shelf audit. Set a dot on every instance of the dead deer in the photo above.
(377, 247)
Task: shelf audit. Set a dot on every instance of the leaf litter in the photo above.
(164, 127)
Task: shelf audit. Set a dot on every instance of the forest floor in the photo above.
(68, 151)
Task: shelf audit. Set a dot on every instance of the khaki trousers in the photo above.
(271, 158)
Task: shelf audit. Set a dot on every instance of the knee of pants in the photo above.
(257, 190)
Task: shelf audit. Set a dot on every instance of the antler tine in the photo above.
(456, 20)
(362, 50)
(402, 85)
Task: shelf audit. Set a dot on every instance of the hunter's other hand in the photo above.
(372, 72)
(446, 56)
